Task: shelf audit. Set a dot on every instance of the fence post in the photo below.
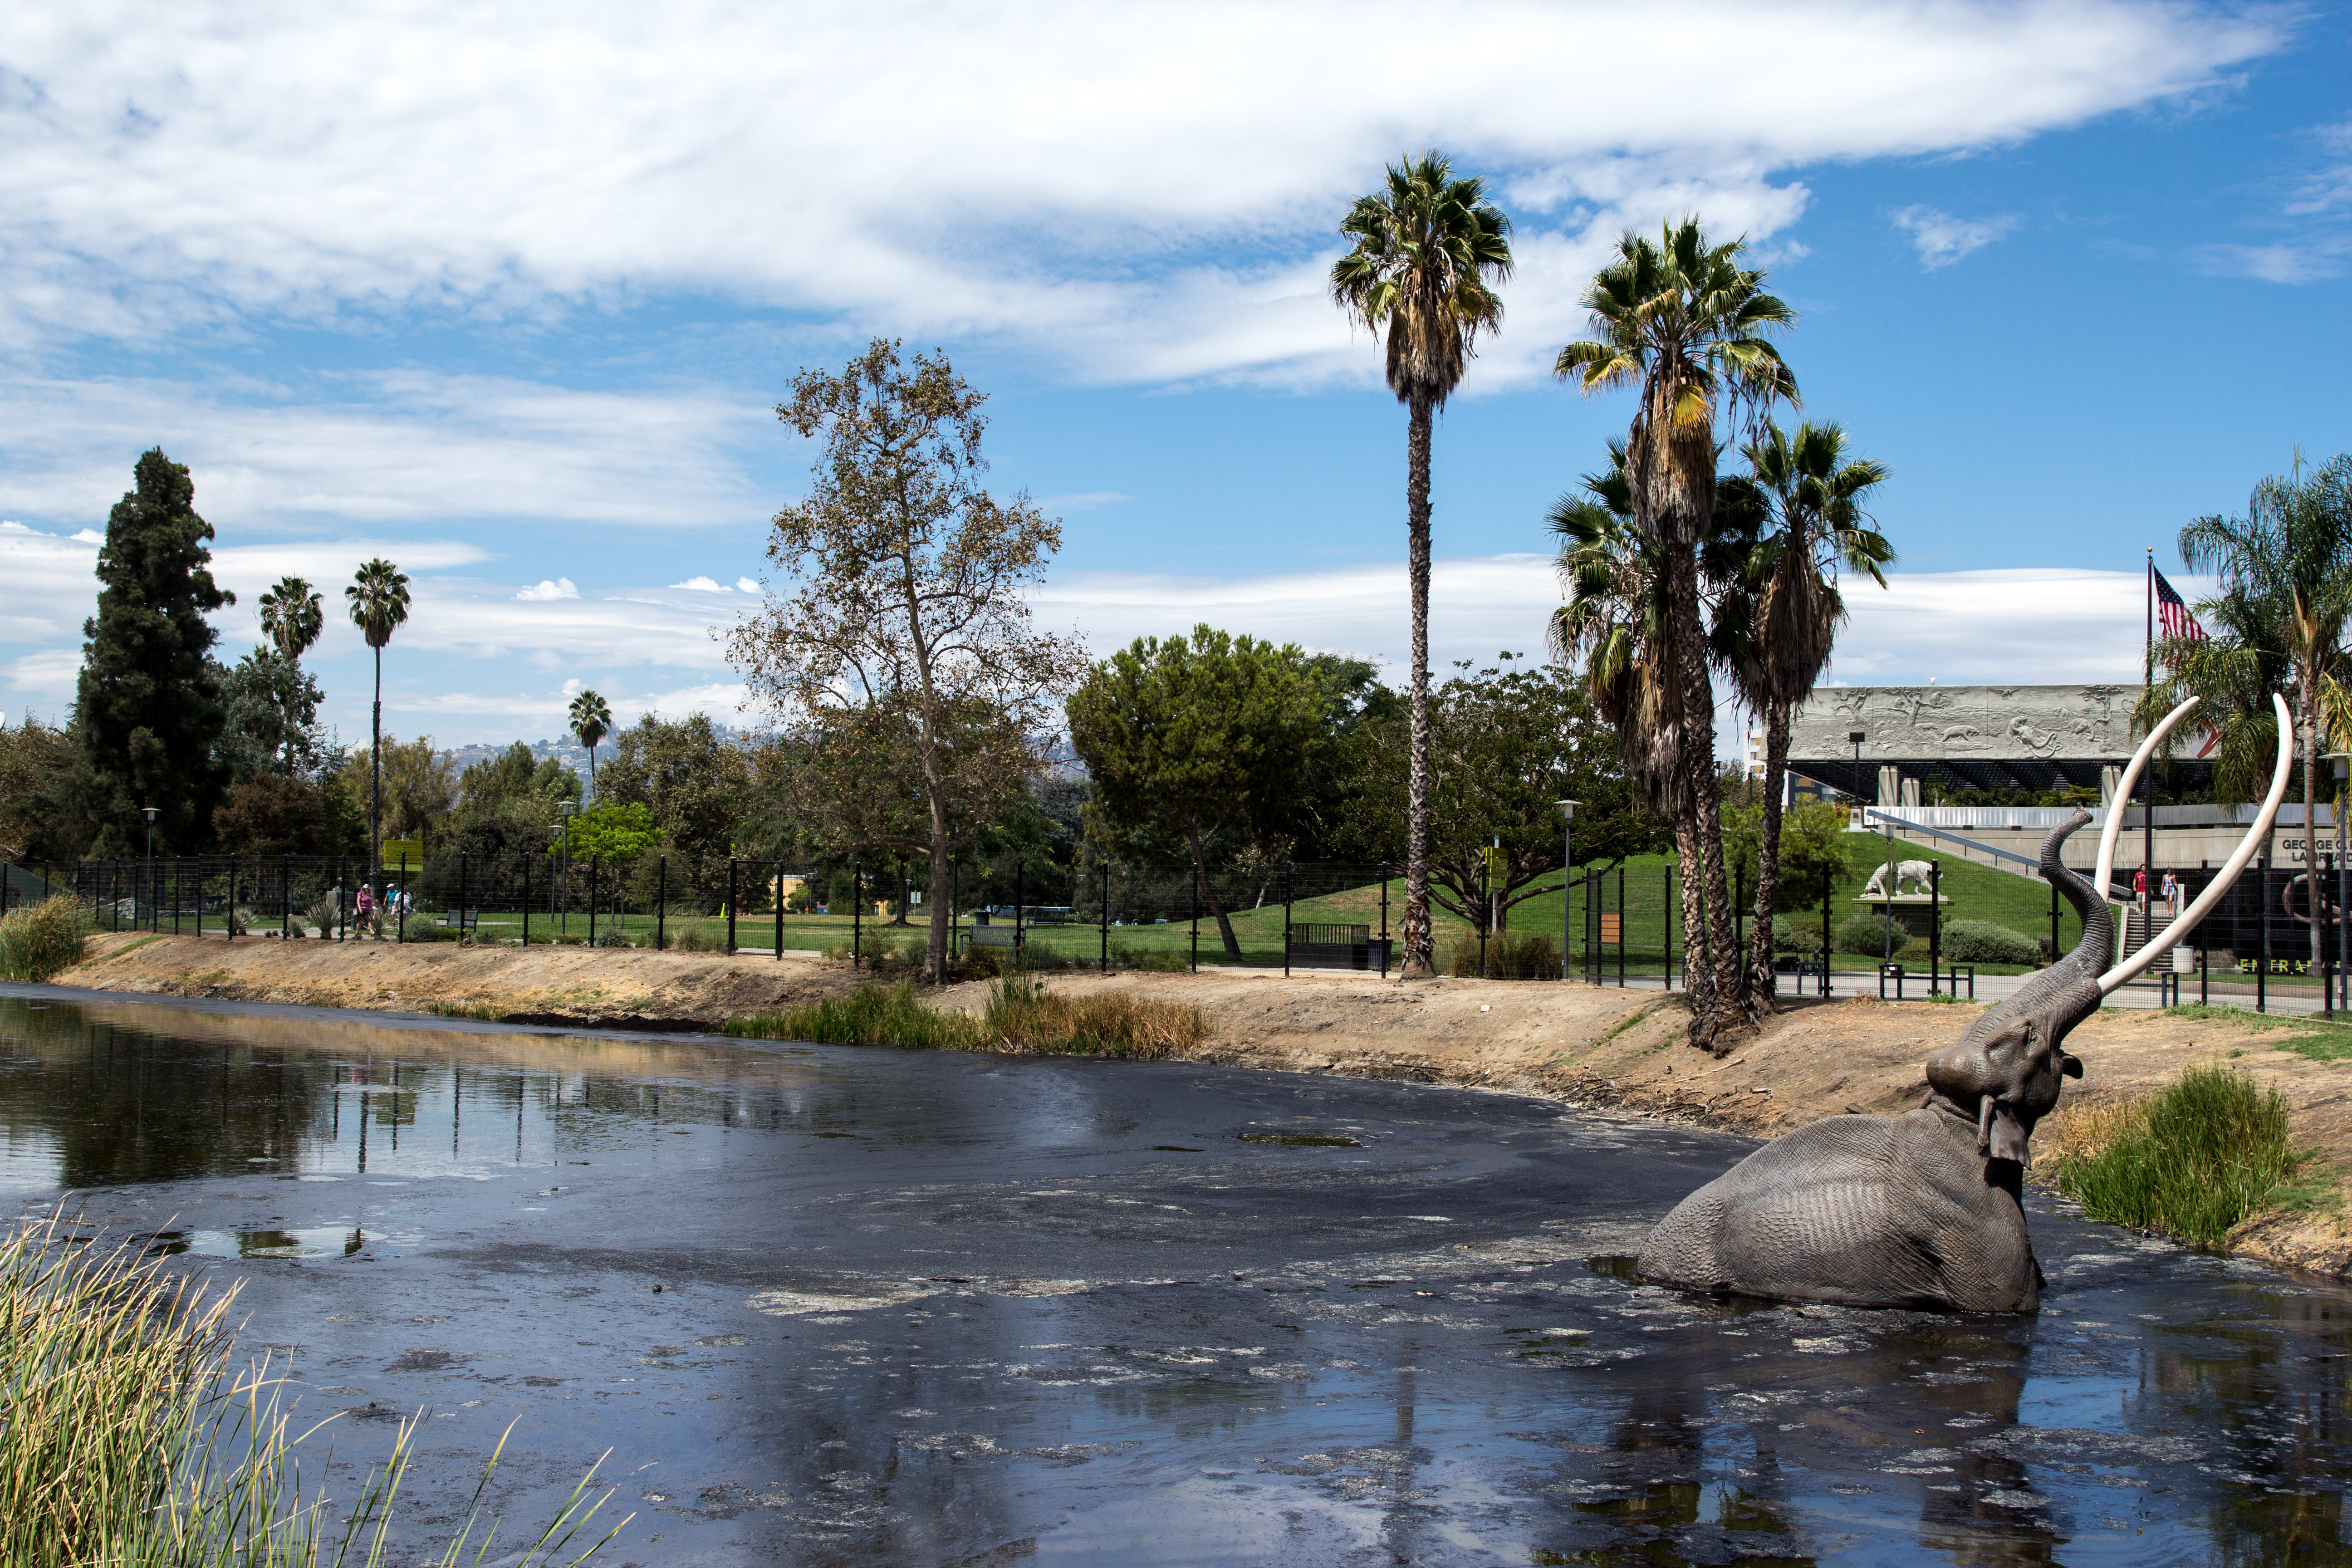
(284, 897)
(2056, 951)
(595, 864)
(526, 901)
(1019, 892)
(856, 914)
(228, 905)
(2262, 916)
(730, 906)
(1739, 916)
(780, 911)
(1666, 919)
(1196, 922)
(1286, 921)
(661, 901)
(1105, 965)
(1385, 869)
(1620, 925)
(1934, 924)
(1825, 927)
(342, 896)
(400, 907)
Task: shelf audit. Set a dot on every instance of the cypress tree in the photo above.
(148, 708)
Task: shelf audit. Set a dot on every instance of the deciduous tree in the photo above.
(1187, 738)
(907, 583)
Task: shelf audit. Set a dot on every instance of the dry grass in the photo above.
(1023, 1015)
(39, 941)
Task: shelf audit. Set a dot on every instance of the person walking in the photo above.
(2139, 888)
(2171, 896)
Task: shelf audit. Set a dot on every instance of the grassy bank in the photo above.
(2191, 1160)
(1021, 1015)
(37, 942)
(130, 1433)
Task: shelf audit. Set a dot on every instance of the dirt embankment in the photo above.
(1623, 1049)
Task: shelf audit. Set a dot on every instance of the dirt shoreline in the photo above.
(1588, 1046)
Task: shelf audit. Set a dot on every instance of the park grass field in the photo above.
(1641, 891)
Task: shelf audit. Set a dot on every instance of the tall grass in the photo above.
(1022, 1015)
(2190, 1161)
(39, 941)
(129, 1434)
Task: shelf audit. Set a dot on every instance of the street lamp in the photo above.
(151, 812)
(1567, 869)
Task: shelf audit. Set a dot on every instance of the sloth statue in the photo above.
(1925, 1209)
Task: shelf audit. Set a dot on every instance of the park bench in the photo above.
(1318, 946)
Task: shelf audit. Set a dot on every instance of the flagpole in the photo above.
(2147, 821)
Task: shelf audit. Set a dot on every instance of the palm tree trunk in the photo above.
(375, 779)
(1760, 980)
(1716, 1028)
(1698, 974)
(1420, 954)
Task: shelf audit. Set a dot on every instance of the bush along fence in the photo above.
(1615, 925)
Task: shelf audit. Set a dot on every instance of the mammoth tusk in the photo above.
(2220, 884)
(2123, 795)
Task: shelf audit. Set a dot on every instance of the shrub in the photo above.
(323, 914)
(39, 941)
(1521, 958)
(691, 938)
(1865, 935)
(1792, 934)
(2191, 1160)
(420, 932)
(1152, 960)
(1982, 941)
(612, 936)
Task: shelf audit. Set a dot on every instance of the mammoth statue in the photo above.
(1926, 1209)
(1918, 873)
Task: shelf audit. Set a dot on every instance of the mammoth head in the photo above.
(2006, 1070)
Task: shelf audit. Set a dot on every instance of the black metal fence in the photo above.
(1617, 925)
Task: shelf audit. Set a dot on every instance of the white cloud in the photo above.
(561, 588)
(2284, 263)
(386, 447)
(746, 585)
(702, 585)
(1143, 191)
(1942, 239)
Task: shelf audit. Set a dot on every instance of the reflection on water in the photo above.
(1195, 1383)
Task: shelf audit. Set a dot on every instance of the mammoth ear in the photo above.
(2070, 1066)
(2011, 1138)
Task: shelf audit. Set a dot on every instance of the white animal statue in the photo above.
(1915, 872)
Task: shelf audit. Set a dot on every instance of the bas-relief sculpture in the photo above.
(1926, 1209)
(1990, 723)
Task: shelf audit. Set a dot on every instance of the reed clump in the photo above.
(1022, 1015)
(2191, 1160)
(131, 1435)
(41, 940)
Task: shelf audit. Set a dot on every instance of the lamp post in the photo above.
(1567, 869)
(563, 900)
(151, 813)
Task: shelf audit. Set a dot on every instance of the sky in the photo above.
(510, 295)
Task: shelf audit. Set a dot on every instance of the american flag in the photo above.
(2172, 612)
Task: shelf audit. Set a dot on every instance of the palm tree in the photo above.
(1683, 321)
(1427, 250)
(378, 600)
(1812, 525)
(592, 720)
(2278, 620)
(292, 616)
(1615, 620)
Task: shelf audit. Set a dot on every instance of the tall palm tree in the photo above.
(2279, 619)
(1813, 526)
(292, 616)
(377, 597)
(1427, 250)
(1684, 322)
(592, 720)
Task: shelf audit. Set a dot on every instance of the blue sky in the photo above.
(510, 298)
